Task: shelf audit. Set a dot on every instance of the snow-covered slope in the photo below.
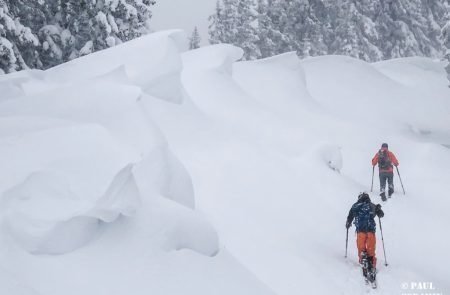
(93, 200)
(129, 173)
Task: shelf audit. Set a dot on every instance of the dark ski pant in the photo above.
(389, 177)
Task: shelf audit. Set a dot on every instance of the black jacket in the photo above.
(364, 212)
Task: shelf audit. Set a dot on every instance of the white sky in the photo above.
(183, 14)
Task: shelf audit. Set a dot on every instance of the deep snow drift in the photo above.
(142, 170)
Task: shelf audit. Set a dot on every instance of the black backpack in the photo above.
(384, 162)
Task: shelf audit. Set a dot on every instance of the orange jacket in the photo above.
(391, 157)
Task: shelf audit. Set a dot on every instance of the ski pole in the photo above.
(382, 239)
(373, 172)
(346, 244)
(401, 182)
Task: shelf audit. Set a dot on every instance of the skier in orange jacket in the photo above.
(386, 161)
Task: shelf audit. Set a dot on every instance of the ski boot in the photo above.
(368, 270)
(390, 192)
(383, 196)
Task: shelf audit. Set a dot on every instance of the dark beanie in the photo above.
(363, 197)
(384, 145)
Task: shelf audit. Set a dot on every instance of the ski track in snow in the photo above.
(192, 173)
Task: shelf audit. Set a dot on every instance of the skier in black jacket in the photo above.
(364, 212)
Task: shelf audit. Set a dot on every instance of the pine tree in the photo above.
(95, 25)
(355, 34)
(232, 23)
(229, 21)
(293, 25)
(265, 30)
(223, 24)
(278, 14)
(445, 35)
(17, 42)
(406, 28)
(245, 35)
(371, 30)
(194, 40)
(49, 32)
(215, 27)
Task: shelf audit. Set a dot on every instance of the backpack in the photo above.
(384, 162)
(364, 217)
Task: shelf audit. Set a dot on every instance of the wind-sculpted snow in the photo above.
(156, 72)
(417, 72)
(288, 94)
(355, 88)
(86, 138)
(62, 182)
(218, 57)
(98, 175)
(208, 78)
(46, 217)
(280, 149)
(11, 84)
(92, 198)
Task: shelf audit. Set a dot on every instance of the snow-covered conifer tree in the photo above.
(354, 32)
(409, 28)
(446, 41)
(215, 27)
(194, 40)
(246, 34)
(18, 44)
(234, 23)
(222, 28)
(71, 28)
(267, 41)
(306, 20)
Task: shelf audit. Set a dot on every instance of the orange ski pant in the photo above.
(366, 242)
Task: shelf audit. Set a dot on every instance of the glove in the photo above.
(378, 211)
(348, 224)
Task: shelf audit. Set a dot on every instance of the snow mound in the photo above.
(90, 187)
(95, 120)
(75, 183)
(45, 217)
(157, 73)
(214, 91)
(219, 57)
(331, 156)
(417, 72)
(11, 85)
(118, 111)
(190, 231)
(356, 88)
(287, 93)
